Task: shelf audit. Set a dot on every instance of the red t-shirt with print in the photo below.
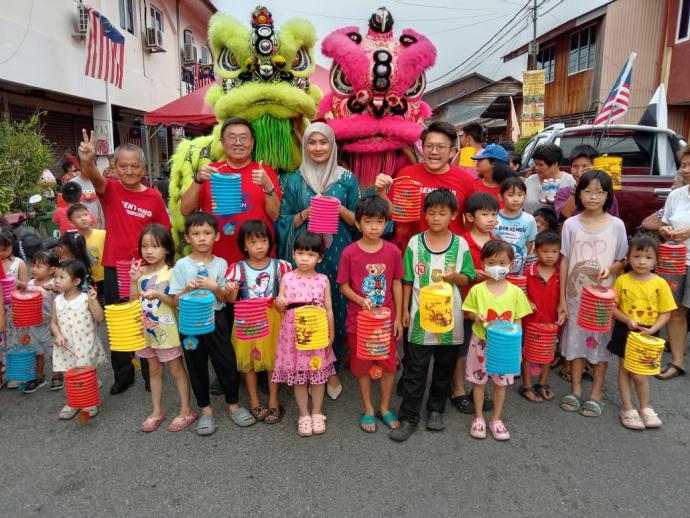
(253, 204)
(126, 214)
(457, 179)
(370, 275)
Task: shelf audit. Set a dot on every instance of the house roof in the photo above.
(494, 85)
(561, 29)
(459, 80)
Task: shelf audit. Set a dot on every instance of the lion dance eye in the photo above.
(339, 82)
(228, 61)
(301, 61)
(417, 87)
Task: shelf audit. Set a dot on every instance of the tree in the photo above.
(24, 154)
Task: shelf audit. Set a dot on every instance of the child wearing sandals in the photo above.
(74, 319)
(305, 369)
(543, 290)
(369, 275)
(150, 283)
(493, 299)
(593, 250)
(257, 277)
(201, 232)
(644, 304)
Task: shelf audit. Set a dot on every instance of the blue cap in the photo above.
(493, 151)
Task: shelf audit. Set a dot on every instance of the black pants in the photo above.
(123, 369)
(215, 346)
(415, 371)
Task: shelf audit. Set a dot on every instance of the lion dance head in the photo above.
(377, 81)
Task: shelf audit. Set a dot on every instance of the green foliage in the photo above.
(24, 154)
(521, 143)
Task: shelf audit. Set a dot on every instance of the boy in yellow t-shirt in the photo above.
(644, 304)
(80, 216)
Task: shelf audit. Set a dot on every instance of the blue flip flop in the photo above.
(367, 419)
(387, 418)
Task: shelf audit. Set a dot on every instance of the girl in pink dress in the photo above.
(298, 368)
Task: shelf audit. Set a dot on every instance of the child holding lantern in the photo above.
(257, 277)
(593, 250)
(644, 303)
(74, 319)
(494, 299)
(201, 270)
(369, 276)
(543, 291)
(304, 368)
(434, 257)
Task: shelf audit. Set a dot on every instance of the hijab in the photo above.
(320, 176)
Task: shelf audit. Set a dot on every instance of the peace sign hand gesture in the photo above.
(87, 148)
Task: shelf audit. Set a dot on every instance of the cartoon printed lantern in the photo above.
(436, 307)
(643, 354)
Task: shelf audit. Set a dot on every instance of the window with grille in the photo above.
(546, 60)
(127, 15)
(583, 50)
(188, 39)
(156, 21)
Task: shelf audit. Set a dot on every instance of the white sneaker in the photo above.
(334, 392)
(67, 412)
(92, 411)
(650, 418)
(631, 420)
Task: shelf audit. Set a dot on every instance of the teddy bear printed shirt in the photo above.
(370, 275)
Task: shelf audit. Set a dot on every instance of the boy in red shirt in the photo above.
(542, 291)
(370, 276)
(481, 214)
(71, 193)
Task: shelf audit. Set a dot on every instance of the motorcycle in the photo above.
(28, 239)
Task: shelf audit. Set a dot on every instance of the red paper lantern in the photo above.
(27, 308)
(407, 200)
(81, 387)
(518, 280)
(251, 318)
(596, 309)
(540, 341)
(374, 332)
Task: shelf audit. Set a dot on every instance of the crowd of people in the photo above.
(478, 227)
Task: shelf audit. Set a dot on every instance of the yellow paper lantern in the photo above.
(436, 307)
(311, 328)
(611, 165)
(643, 354)
(125, 326)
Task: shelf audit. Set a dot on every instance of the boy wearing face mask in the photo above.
(493, 299)
(436, 255)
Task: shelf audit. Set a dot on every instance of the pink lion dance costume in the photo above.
(375, 107)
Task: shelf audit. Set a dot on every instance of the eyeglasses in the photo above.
(233, 139)
(434, 147)
(594, 194)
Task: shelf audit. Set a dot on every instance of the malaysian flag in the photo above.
(618, 101)
(105, 50)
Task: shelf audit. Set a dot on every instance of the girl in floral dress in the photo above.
(302, 369)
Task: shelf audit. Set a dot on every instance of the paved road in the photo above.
(556, 464)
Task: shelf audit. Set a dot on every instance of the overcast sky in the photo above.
(458, 28)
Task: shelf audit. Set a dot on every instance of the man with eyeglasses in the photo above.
(439, 142)
(260, 188)
(128, 207)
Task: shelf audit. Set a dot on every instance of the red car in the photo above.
(647, 174)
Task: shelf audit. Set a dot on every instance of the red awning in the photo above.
(192, 109)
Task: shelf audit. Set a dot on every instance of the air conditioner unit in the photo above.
(189, 55)
(82, 23)
(154, 39)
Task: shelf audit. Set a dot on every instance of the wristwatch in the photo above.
(270, 191)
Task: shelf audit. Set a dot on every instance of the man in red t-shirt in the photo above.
(260, 188)
(128, 207)
(439, 143)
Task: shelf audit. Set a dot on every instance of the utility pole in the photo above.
(533, 46)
